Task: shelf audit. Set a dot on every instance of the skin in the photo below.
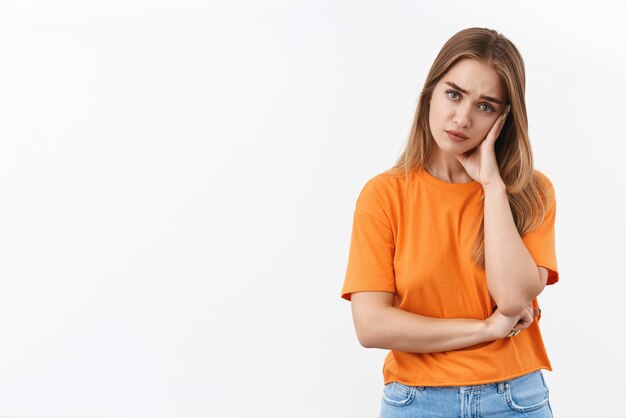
(469, 114)
(481, 120)
(378, 322)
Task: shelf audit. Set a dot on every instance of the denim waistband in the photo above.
(500, 386)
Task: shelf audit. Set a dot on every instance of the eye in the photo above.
(455, 95)
(489, 108)
(454, 92)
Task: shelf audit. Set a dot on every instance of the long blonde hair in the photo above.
(527, 190)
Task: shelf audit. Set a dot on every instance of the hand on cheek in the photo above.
(480, 162)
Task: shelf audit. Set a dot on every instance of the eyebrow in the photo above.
(488, 98)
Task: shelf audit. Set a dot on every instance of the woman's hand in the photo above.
(527, 317)
(499, 325)
(480, 162)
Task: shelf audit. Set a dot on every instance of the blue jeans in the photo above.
(523, 396)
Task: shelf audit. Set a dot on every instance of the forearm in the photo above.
(512, 275)
(395, 329)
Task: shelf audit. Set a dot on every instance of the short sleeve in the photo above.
(372, 246)
(540, 242)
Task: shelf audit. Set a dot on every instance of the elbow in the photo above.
(369, 316)
(512, 309)
(512, 306)
(364, 336)
(365, 342)
(368, 329)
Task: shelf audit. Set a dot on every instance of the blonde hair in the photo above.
(528, 190)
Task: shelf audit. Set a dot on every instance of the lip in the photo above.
(461, 135)
(455, 138)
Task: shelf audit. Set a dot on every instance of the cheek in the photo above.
(484, 126)
(439, 110)
(442, 104)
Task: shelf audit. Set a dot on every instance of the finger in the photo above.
(526, 319)
(505, 113)
(523, 325)
(522, 315)
(494, 131)
(496, 128)
(513, 333)
(503, 118)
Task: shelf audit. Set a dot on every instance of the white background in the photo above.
(177, 184)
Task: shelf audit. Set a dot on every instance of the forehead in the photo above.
(476, 77)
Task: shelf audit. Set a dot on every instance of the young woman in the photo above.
(452, 245)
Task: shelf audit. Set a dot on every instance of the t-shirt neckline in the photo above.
(444, 185)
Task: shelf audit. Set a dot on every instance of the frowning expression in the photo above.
(467, 100)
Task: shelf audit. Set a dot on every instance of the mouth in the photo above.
(456, 136)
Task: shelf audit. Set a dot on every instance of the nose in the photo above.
(462, 115)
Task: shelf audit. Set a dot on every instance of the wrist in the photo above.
(489, 332)
(496, 184)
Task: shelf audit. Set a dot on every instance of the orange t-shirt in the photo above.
(418, 245)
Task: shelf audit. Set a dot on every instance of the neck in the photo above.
(448, 171)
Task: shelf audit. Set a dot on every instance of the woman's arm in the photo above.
(378, 324)
(513, 278)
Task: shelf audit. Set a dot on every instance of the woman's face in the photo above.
(467, 99)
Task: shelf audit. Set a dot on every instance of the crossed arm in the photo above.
(513, 279)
